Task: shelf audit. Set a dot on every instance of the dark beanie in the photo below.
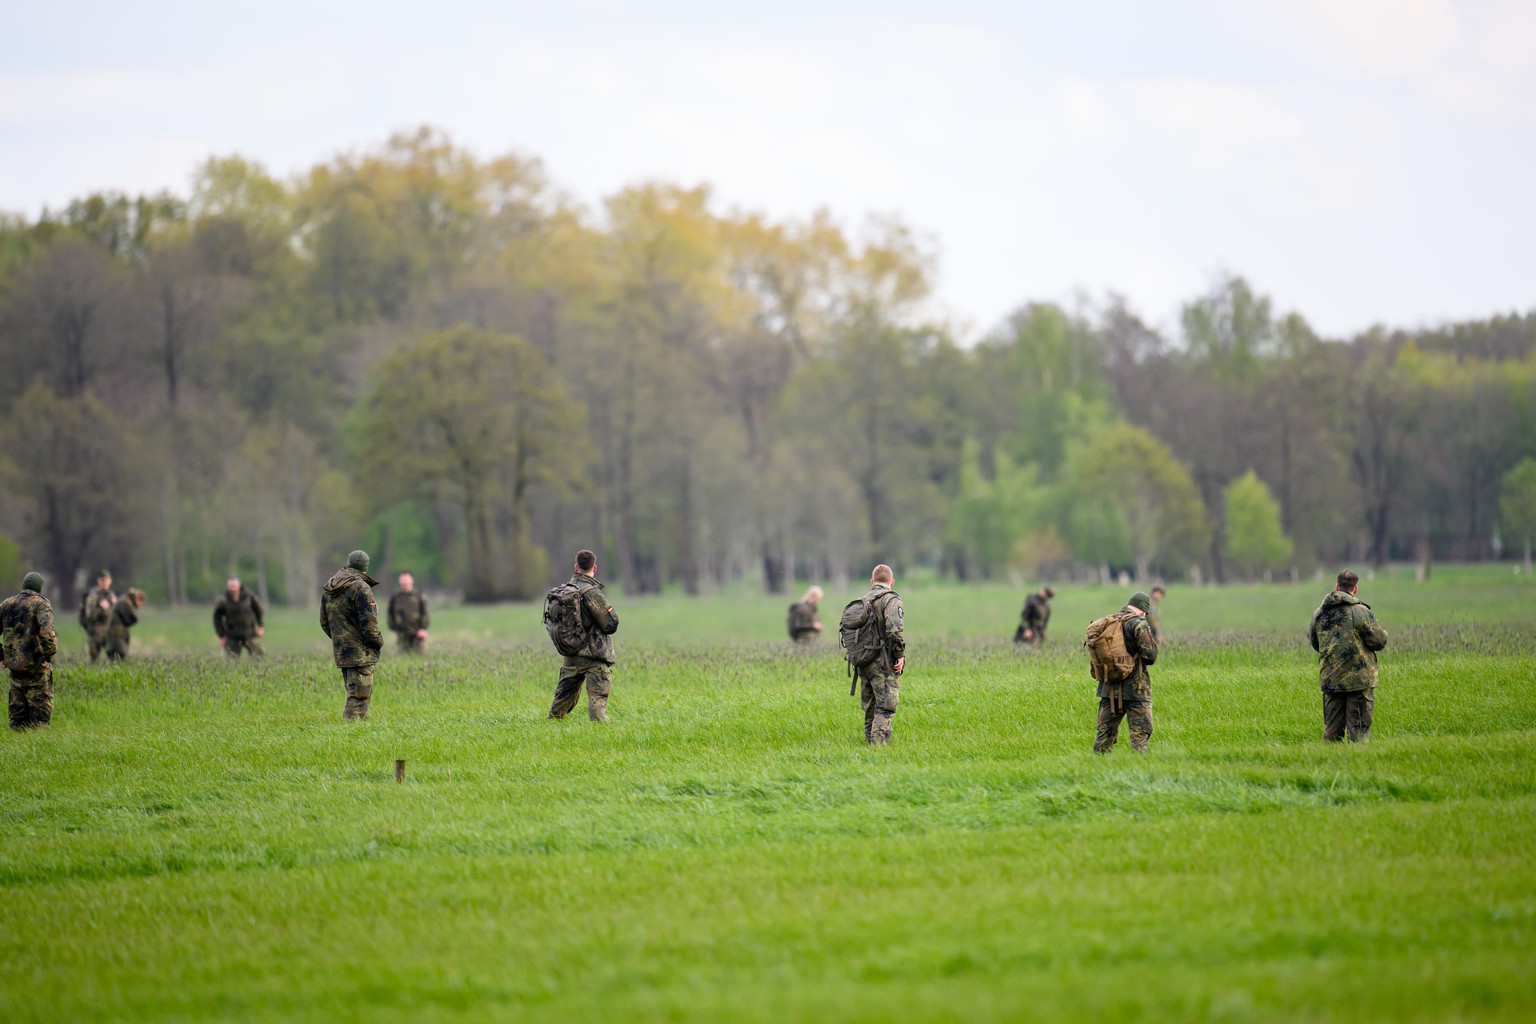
(32, 581)
(358, 560)
(1140, 600)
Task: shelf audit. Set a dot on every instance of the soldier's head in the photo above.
(1140, 601)
(358, 560)
(32, 581)
(882, 574)
(1047, 593)
(137, 596)
(1349, 582)
(104, 580)
(586, 562)
(1157, 593)
(407, 583)
(233, 586)
(812, 596)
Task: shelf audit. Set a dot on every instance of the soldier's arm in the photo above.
(1146, 640)
(600, 611)
(325, 613)
(895, 628)
(368, 615)
(395, 613)
(47, 638)
(1312, 633)
(261, 614)
(218, 620)
(426, 620)
(1372, 633)
(85, 604)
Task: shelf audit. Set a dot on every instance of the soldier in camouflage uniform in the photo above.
(28, 643)
(593, 664)
(125, 615)
(880, 680)
(350, 617)
(1035, 616)
(1346, 637)
(1155, 613)
(408, 616)
(96, 613)
(1132, 697)
(803, 623)
(239, 619)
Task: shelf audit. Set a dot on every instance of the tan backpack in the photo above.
(1109, 660)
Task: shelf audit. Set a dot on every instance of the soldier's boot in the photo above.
(355, 709)
(879, 731)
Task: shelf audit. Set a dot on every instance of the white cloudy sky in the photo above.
(1362, 161)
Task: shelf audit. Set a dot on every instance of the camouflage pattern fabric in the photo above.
(350, 617)
(233, 645)
(359, 686)
(96, 617)
(1346, 637)
(1351, 713)
(125, 615)
(879, 686)
(1155, 618)
(802, 621)
(407, 614)
(1131, 698)
(31, 699)
(575, 671)
(237, 618)
(602, 621)
(1033, 619)
(28, 643)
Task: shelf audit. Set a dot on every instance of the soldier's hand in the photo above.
(261, 630)
(816, 626)
(901, 663)
(223, 641)
(421, 634)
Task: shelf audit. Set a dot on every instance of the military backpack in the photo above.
(563, 620)
(1109, 660)
(861, 631)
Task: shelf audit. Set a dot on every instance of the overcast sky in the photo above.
(1361, 161)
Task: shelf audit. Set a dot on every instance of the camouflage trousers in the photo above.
(1130, 703)
(233, 644)
(410, 643)
(1349, 713)
(879, 693)
(359, 684)
(117, 648)
(95, 644)
(598, 677)
(31, 699)
(1036, 637)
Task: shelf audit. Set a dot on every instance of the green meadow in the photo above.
(198, 840)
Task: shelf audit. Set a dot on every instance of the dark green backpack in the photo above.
(861, 631)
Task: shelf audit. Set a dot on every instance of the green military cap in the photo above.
(104, 574)
(1140, 600)
(32, 581)
(358, 560)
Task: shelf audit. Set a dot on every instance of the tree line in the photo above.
(447, 360)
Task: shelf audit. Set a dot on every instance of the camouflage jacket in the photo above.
(1037, 612)
(601, 620)
(1346, 637)
(408, 612)
(125, 614)
(238, 616)
(27, 638)
(1141, 642)
(94, 618)
(892, 616)
(350, 617)
(802, 620)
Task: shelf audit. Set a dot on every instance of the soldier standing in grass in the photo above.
(1130, 696)
(1155, 615)
(1034, 618)
(28, 643)
(880, 680)
(125, 615)
(96, 613)
(803, 623)
(593, 621)
(350, 617)
(1346, 637)
(408, 616)
(239, 619)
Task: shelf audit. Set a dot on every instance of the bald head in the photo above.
(882, 574)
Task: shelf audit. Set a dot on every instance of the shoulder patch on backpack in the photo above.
(1109, 660)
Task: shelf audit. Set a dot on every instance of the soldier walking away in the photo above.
(1121, 646)
(1034, 618)
(1155, 614)
(96, 614)
(239, 620)
(350, 617)
(1346, 637)
(582, 623)
(125, 615)
(408, 616)
(28, 643)
(872, 635)
(803, 623)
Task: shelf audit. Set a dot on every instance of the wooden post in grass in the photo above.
(399, 769)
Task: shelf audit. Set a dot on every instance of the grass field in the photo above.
(193, 840)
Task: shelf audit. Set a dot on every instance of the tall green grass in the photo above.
(199, 840)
